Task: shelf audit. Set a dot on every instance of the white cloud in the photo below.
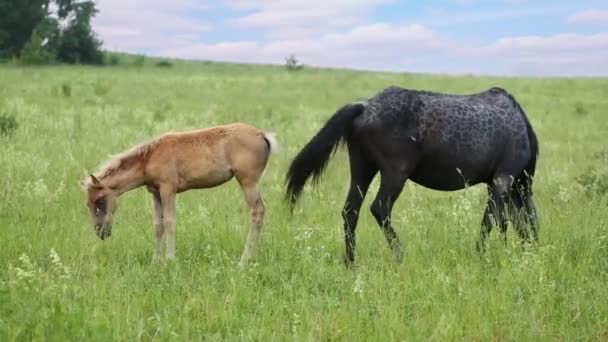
(439, 17)
(373, 46)
(144, 26)
(561, 54)
(591, 16)
(339, 33)
(297, 19)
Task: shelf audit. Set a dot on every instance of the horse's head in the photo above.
(101, 201)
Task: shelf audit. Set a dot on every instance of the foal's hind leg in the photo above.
(256, 210)
(362, 172)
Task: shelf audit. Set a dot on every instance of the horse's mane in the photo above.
(137, 153)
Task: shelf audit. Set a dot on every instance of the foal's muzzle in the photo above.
(103, 231)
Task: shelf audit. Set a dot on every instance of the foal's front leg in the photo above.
(167, 195)
(158, 227)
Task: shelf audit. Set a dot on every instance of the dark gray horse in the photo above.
(440, 141)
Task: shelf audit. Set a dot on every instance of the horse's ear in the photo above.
(95, 180)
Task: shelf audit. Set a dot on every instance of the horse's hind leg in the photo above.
(517, 214)
(524, 213)
(496, 208)
(486, 224)
(531, 215)
(256, 210)
(391, 184)
(362, 171)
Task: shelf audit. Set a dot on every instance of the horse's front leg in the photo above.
(167, 195)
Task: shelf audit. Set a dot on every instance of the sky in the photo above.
(501, 37)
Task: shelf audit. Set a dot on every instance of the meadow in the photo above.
(58, 281)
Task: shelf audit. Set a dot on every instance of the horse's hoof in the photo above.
(399, 257)
(480, 247)
(348, 262)
(398, 251)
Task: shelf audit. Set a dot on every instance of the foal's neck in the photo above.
(128, 175)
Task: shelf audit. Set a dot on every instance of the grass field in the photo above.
(58, 281)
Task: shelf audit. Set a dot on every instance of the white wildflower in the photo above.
(358, 288)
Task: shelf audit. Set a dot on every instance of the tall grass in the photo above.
(58, 281)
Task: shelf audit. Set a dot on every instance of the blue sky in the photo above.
(502, 37)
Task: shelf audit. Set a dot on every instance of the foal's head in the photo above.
(101, 201)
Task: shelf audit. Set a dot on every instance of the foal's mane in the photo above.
(124, 160)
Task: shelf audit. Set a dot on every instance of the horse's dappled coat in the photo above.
(440, 141)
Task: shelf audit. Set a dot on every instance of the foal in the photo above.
(176, 162)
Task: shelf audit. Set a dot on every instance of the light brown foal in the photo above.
(176, 162)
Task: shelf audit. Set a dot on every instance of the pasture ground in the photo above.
(58, 281)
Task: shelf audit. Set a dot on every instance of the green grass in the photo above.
(71, 118)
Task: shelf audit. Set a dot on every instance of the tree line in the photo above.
(49, 31)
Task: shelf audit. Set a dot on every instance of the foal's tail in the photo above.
(313, 158)
(271, 141)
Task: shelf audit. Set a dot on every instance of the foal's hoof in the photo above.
(156, 260)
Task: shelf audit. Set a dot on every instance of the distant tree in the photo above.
(18, 19)
(78, 43)
(72, 41)
(292, 63)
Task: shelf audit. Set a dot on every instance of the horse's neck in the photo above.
(124, 180)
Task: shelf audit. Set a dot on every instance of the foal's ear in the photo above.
(95, 180)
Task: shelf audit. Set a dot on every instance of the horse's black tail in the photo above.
(313, 158)
(530, 168)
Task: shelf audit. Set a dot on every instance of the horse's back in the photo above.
(457, 138)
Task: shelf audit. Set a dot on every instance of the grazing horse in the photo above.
(440, 141)
(176, 162)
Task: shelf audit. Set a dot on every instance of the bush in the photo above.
(35, 53)
(164, 64)
(594, 182)
(292, 64)
(8, 124)
(140, 60)
(579, 109)
(111, 59)
(66, 89)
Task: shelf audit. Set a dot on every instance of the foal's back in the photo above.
(208, 157)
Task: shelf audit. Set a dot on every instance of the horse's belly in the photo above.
(446, 176)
